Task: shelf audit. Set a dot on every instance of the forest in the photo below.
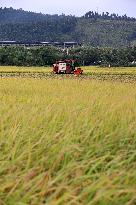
(92, 29)
(46, 56)
(106, 39)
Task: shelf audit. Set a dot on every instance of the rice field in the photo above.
(87, 69)
(127, 75)
(67, 142)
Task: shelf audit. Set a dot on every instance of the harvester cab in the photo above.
(62, 67)
(66, 67)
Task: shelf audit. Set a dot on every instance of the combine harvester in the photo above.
(66, 67)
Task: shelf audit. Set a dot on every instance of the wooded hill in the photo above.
(94, 29)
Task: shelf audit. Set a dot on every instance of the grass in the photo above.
(67, 142)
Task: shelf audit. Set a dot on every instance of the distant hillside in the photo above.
(91, 29)
(10, 15)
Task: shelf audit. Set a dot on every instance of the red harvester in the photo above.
(66, 67)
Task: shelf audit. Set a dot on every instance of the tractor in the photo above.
(66, 67)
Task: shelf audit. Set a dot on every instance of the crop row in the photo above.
(130, 78)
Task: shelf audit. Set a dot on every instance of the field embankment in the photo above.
(67, 142)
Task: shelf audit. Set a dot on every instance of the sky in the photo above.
(74, 7)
